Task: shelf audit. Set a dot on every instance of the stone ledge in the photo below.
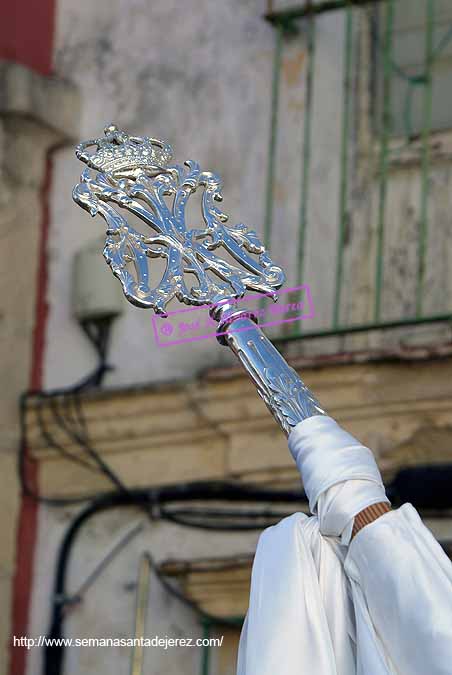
(402, 353)
(218, 586)
(222, 430)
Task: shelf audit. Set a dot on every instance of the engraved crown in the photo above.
(120, 154)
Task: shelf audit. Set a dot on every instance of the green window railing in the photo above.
(208, 623)
(389, 76)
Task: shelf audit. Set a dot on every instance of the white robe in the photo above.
(379, 605)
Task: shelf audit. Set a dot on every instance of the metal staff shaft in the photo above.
(284, 393)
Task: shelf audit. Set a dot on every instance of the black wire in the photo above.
(217, 527)
(49, 438)
(53, 655)
(150, 500)
(216, 519)
(227, 513)
(98, 333)
(23, 458)
(78, 409)
(69, 413)
(175, 592)
(153, 499)
(85, 445)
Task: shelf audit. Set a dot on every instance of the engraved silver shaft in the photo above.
(285, 394)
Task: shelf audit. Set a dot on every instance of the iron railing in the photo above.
(286, 23)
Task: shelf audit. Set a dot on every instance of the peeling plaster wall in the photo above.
(20, 221)
(27, 136)
(108, 609)
(198, 74)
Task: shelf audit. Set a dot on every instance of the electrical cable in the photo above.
(49, 438)
(98, 333)
(175, 592)
(222, 520)
(65, 406)
(409, 485)
(150, 500)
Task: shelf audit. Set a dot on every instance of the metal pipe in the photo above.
(361, 328)
(383, 166)
(117, 547)
(427, 123)
(301, 11)
(205, 657)
(144, 576)
(273, 133)
(304, 197)
(343, 196)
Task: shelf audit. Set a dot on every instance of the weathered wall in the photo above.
(197, 74)
(402, 411)
(199, 77)
(108, 609)
(27, 134)
(20, 216)
(203, 82)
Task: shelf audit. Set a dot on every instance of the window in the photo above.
(412, 48)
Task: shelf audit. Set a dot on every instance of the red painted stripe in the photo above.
(26, 37)
(28, 516)
(26, 33)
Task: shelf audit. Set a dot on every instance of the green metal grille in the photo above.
(286, 23)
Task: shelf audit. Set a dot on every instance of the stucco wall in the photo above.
(200, 77)
(108, 609)
(27, 135)
(197, 74)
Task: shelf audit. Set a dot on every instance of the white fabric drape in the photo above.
(379, 605)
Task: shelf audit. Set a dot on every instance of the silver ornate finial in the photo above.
(123, 156)
(135, 174)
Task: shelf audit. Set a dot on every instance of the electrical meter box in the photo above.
(96, 294)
